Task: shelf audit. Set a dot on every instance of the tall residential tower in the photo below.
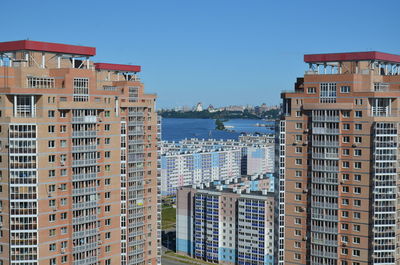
(78, 161)
(338, 162)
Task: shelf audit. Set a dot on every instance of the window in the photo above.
(311, 90)
(63, 186)
(357, 203)
(345, 251)
(357, 215)
(107, 168)
(345, 164)
(107, 154)
(298, 197)
(53, 261)
(297, 232)
(357, 165)
(107, 181)
(297, 221)
(346, 114)
(358, 114)
(64, 244)
(357, 152)
(297, 244)
(346, 126)
(298, 173)
(299, 125)
(345, 239)
(107, 140)
(52, 232)
(345, 189)
(328, 93)
(298, 185)
(81, 89)
(357, 177)
(63, 201)
(359, 101)
(346, 152)
(356, 228)
(107, 248)
(345, 89)
(345, 214)
(52, 173)
(358, 126)
(297, 256)
(108, 235)
(299, 138)
(107, 208)
(63, 113)
(298, 149)
(107, 195)
(52, 203)
(346, 139)
(107, 127)
(51, 129)
(64, 259)
(63, 172)
(298, 113)
(357, 139)
(63, 216)
(40, 82)
(52, 188)
(356, 252)
(63, 143)
(357, 190)
(346, 177)
(52, 144)
(52, 247)
(298, 161)
(345, 201)
(63, 128)
(107, 222)
(356, 240)
(52, 218)
(107, 113)
(64, 230)
(51, 113)
(345, 226)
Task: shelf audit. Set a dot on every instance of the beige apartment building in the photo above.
(338, 162)
(78, 161)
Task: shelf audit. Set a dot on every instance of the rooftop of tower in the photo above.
(352, 56)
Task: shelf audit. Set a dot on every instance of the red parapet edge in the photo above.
(118, 67)
(29, 45)
(351, 56)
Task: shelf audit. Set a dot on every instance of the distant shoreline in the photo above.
(222, 115)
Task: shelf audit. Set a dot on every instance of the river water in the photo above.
(178, 129)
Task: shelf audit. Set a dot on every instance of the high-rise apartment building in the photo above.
(78, 161)
(227, 222)
(338, 162)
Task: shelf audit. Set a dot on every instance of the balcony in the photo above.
(325, 155)
(84, 219)
(326, 118)
(326, 205)
(325, 168)
(84, 191)
(85, 233)
(84, 176)
(84, 134)
(84, 148)
(318, 130)
(84, 205)
(85, 119)
(330, 193)
(84, 162)
(325, 143)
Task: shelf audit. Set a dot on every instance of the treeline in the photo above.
(225, 115)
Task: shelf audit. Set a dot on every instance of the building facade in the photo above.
(182, 168)
(226, 225)
(78, 159)
(338, 162)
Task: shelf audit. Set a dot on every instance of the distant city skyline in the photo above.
(219, 52)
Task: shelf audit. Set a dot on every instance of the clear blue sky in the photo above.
(218, 52)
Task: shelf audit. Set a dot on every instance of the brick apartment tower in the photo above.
(78, 159)
(338, 162)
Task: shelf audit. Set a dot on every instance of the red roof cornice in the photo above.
(352, 56)
(118, 67)
(29, 45)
